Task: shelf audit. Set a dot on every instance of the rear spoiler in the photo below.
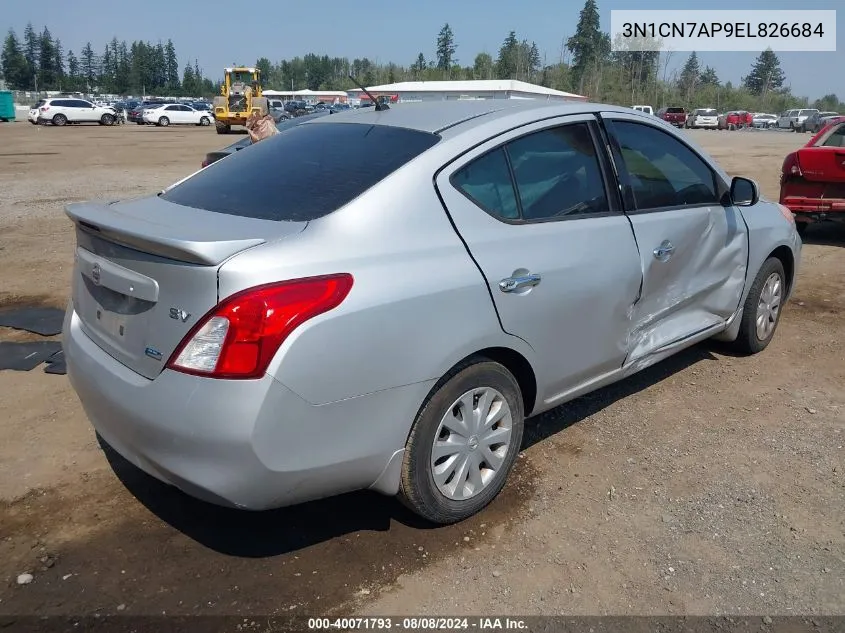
(189, 238)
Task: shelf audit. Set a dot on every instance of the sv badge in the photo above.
(179, 315)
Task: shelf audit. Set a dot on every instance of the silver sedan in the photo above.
(288, 324)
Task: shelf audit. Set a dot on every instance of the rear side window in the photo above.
(303, 173)
(487, 182)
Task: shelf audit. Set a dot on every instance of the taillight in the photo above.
(240, 336)
(45, 108)
(791, 166)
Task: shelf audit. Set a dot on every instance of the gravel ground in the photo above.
(710, 484)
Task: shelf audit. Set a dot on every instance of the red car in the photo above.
(734, 120)
(812, 181)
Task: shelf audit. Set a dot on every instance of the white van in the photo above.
(644, 108)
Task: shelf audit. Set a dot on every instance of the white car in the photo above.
(175, 114)
(764, 121)
(64, 110)
(791, 119)
(643, 108)
(706, 118)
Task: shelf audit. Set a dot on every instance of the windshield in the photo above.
(241, 77)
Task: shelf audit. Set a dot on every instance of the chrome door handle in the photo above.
(664, 251)
(511, 284)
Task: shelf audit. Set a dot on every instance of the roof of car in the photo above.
(436, 116)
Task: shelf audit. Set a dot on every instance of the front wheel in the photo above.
(762, 309)
(164, 121)
(463, 443)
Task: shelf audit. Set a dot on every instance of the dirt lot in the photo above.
(710, 484)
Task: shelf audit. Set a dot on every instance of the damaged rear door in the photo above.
(693, 250)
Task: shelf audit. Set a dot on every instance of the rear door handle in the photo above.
(664, 251)
(512, 284)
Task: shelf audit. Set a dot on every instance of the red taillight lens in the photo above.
(791, 166)
(45, 108)
(239, 337)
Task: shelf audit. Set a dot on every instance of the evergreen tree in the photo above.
(31, 45)
(446, 48)
(690, 73)
(507, 62)
(189, 83)
(766, 74)
(72, 71)
(14, 64)
(89, 67)
(59, 64)
(46, 61)
(589, 46)
(171, 65)
(709, 77)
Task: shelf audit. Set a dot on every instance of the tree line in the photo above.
(586, 65)
(39, 62)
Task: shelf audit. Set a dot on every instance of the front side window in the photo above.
(663, 172)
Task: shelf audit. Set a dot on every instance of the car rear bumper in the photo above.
(816, 206)
(251, 444)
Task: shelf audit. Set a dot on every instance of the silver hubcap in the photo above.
(471, 443)
(768, 308)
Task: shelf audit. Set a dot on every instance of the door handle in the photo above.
(664, 251)
(512, 284)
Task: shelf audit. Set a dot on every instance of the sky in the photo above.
(388, 30)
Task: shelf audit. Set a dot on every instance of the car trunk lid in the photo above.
(822, 164)
(146, 270)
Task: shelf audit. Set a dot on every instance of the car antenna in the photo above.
(379, 106)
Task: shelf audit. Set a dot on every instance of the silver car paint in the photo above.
(335, 408)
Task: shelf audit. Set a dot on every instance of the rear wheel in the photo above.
(164, 121)
(222, 128)
(463, 443)
(801, 227)
(762, 309)
(60, 119)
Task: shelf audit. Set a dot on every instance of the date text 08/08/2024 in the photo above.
(722, 29)
(416, 624)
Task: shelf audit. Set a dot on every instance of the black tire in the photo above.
(418, 490)
(60, 120)
(107, 119)
(163, 121)
(222, 128)
(801, 227)
(205, 121)
(748, 341)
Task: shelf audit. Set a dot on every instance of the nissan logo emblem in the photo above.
(95, 274)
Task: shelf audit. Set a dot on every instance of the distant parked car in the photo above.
(812, 181)
(61, 111)
(792, 119)
(675, 116)
(135, 115)
(289, 324)
(815, 122)
(706, 118)
(175, 114)
(643, 108)
(764, 121)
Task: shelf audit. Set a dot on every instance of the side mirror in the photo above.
(744, 192)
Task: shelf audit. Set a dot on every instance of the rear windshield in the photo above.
(302, 173)
(706, 112)
(675, 110)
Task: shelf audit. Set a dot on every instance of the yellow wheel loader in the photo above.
(240, 97)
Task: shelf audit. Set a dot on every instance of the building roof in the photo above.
(471, 85)
(304, 93)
